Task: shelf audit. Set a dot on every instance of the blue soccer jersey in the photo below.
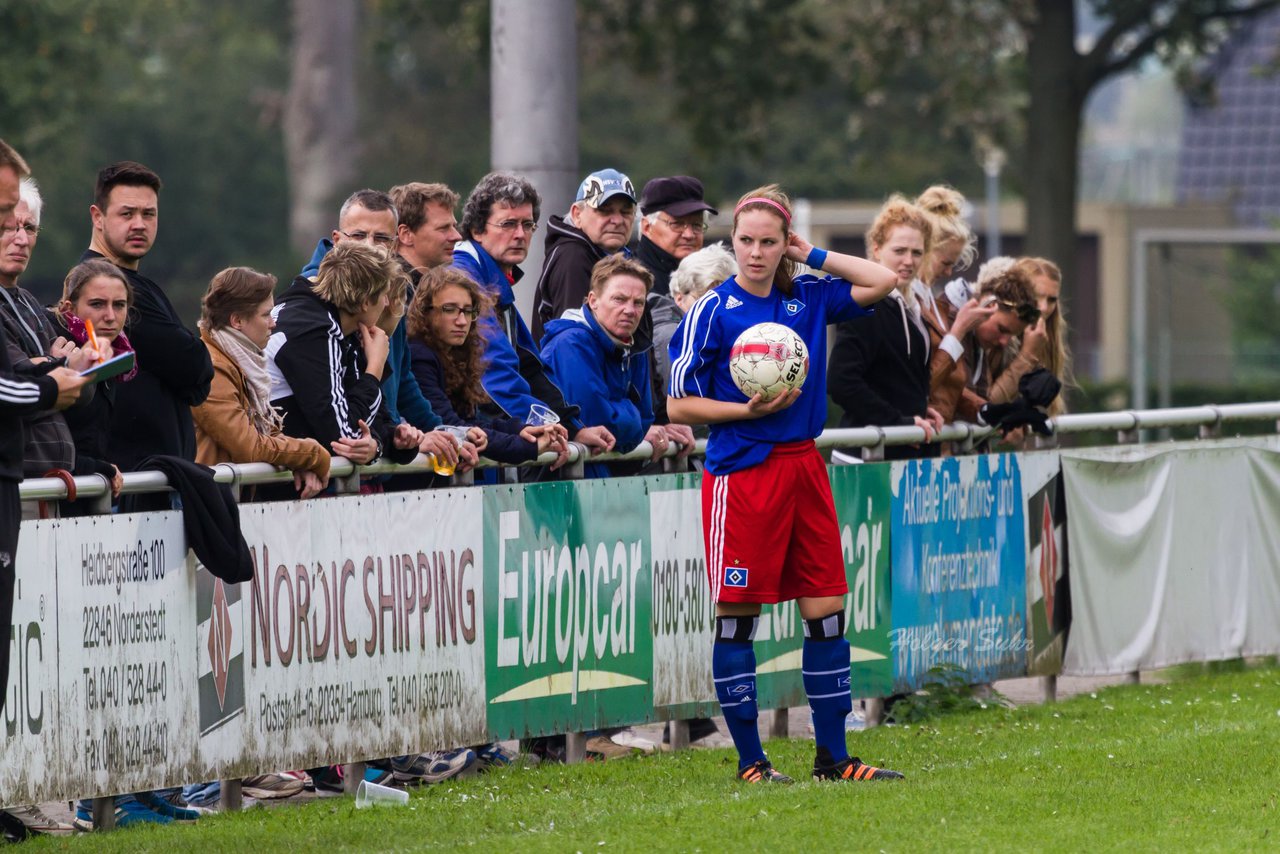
(700, 362)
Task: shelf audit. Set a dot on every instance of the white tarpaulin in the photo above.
(1175, 555)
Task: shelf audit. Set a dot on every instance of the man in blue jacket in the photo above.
(594, 355)
(498, 221)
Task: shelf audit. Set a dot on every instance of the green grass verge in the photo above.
(1137, 767)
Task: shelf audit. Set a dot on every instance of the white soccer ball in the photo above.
(768, 359)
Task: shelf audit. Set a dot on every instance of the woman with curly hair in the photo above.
(447, 351)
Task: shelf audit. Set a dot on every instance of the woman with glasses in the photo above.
(447, 351)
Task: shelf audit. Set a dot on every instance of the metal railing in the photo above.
(1209, 418)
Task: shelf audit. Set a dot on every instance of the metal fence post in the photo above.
(780, 727)
(104, 813)
(575, 747)
(575, 743)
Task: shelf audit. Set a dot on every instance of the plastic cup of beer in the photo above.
(372, 795)
(540, 415)
(442, 466)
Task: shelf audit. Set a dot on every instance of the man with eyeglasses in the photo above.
(673, 220)
(371, 217)
(33, 340)
(599, 223)
(498, 221)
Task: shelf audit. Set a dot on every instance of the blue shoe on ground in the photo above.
(160, 806)
(490, 756)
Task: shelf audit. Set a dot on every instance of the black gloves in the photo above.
(1039, 387)
(1036, 389)
(1018, 413)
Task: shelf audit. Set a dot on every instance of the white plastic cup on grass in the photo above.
(540, 415)
(372, 795)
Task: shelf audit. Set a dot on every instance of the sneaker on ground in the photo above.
(266, 787)
(327, 778)
(699, 728)
(606, 748)
(550, 748)
(379, 772)
(489, 756)
(762, 771)
(631, 739)
(853, 768)
(159, 805)
(432, 767)
(21, 822)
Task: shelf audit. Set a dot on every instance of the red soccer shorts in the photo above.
(770, 530)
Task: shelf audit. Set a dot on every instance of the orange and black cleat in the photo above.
(853, 768)
(762, 771)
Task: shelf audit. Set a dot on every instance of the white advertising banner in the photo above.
(1175, 555)
(29, 756)
(683, 613)
(361, 635)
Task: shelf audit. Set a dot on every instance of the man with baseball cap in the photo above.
(599, 223)
(673, 222)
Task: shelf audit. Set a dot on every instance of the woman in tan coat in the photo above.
(236, 423)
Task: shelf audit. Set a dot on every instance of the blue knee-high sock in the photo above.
(825, 664)
(733, 665)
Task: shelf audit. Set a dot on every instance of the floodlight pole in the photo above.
(534, 109)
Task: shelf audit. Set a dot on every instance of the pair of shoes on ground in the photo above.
(19, 823)
(140, 808)
(432, 766)
(699, 728)
(824, 768)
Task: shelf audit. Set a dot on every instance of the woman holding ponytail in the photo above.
(769, 524)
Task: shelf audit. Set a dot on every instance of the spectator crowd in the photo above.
(400, 337)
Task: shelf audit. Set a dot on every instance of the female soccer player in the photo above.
(769, 523)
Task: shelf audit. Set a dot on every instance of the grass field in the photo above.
(1136, 767)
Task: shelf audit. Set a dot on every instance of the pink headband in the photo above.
(763, 201)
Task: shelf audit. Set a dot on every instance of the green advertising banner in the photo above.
(567, 593)
(861, 496)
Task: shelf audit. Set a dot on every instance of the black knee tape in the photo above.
(829, 627)
(736, 629)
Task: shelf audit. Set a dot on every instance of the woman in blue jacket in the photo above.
(594, 358)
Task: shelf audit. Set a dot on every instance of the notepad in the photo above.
(112, 367)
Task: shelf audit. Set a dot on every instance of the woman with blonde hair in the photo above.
(879, 371)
